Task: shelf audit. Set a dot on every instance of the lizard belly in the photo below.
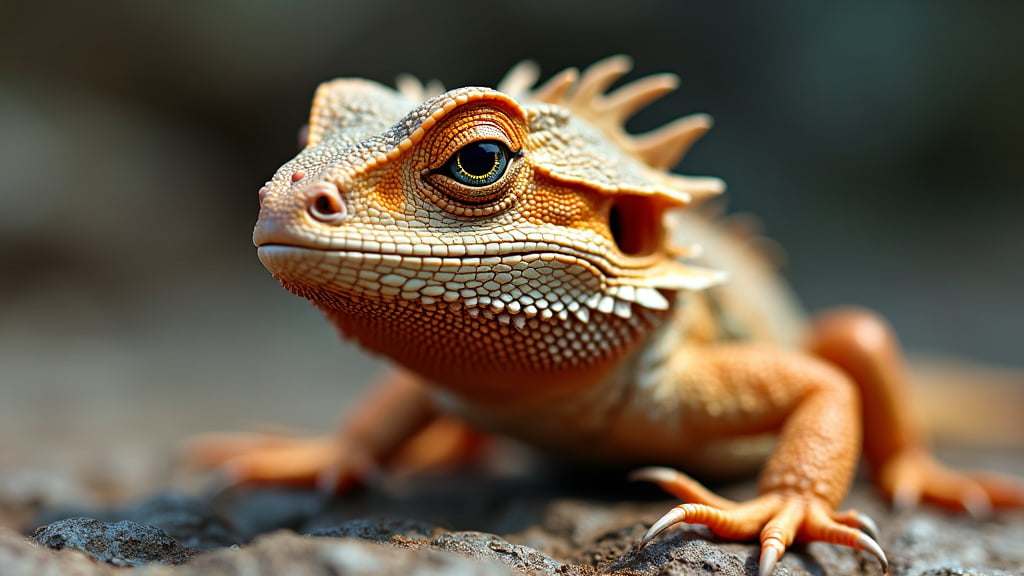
(636, 431)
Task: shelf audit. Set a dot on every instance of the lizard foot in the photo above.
(915, 475)
(256, 458)
(332, 463)
(776, 518)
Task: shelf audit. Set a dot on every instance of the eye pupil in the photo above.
(479, 159)
(479, 163)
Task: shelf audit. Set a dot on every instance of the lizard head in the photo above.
(511, 218)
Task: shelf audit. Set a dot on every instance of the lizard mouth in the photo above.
(448, 255)
(538, 280)
(510, 287)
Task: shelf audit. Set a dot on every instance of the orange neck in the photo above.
(480, 358)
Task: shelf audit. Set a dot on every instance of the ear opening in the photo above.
(635, 223)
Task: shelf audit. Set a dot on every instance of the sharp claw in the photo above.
(232, 472)
(328, 480)
(769, 557)
(905, 498)
(673, 516)
(867, 525)
(866, 543)
(653, 474)
(977, 503)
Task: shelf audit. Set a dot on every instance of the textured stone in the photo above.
(192, 521)
(522, 559)
(527, 530)
(124, 543)
(377, 529)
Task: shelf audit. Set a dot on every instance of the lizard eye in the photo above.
(478, 163)
(476, 171)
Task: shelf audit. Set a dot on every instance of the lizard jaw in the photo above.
(491, 285)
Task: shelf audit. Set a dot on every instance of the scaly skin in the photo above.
(535, 285)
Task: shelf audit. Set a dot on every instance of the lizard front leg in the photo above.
(735, 390)
(396, 425)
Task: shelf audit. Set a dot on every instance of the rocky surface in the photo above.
(474, 524)
(123, 543)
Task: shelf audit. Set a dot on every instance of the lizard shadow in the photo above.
(476, 499)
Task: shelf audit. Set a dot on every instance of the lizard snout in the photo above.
(294, 214)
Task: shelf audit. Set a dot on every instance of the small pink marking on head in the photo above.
(298, 175)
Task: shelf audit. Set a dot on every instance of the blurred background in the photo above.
(880, 142)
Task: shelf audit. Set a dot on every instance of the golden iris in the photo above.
(479, 163)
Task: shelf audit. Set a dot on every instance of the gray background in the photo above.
(879, 142)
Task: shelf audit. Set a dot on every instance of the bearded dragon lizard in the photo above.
(536, 270)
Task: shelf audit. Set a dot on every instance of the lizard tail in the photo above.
(970, 404)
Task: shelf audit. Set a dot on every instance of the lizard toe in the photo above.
(275, 458)
(681, 486)
(915, 476)
(776, 518)
(858, 520)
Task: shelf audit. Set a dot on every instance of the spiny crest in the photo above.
(417, 91)
(586, 96)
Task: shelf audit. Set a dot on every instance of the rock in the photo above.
(935, 543)
(20, 557)
(474, 525)
(193, 522)
(378, 529)
(285, 552)
(522, 559)
(124, 543)
(282, 552)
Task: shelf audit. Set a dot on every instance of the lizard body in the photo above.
(536, 271)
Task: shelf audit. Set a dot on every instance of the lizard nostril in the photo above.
(325, 203)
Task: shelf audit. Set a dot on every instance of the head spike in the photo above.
(596, 79)
(662, 148)
(410, 87)
(520, 78)
(699, 188)
(416, 91)
(554, 90)
(656, 152)
(624, 102)
(433, 87)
